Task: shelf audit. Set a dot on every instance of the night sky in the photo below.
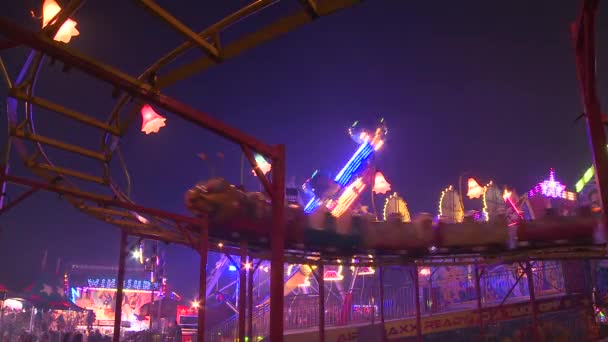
(483, 87)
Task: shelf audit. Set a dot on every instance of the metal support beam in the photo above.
(22, 197)
(277, 245)
(381, 281)
(583, 34)
(258, 172)
(70, 113)
(181, 28)
(311, 6)
(131, 85)
(120, 280)
(250, 275)
(101, 200)
(203, 248)
(4, 72)
(319, 276)
(534, 310)
(243, 290)
(67, 172)
(416, 281)
(246, 42)
(19, 133)
(6, 44)
(478, 275)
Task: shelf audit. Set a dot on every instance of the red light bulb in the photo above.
(151, 120)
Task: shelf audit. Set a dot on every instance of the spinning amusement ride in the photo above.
(318, 233)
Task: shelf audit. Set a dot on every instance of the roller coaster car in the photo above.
(216, 198)
(234, 213)
(331, 234)
(474, 235)
(394, 235)
(552, 228)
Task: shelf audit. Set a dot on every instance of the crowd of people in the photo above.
(65, 326)
(47, 325)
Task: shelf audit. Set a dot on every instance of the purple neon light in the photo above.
(549, 187)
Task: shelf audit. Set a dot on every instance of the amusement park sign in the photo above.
(129, 284)
(449, 321)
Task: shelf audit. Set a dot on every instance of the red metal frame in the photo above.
(120, 280)
(478, 274)
(583, 36)
(22, 197)
(534, 311)
(416, 281)
(131, 85)
(242, 291)
(381, 295)
(145, 92)
(318, 274)
(203, 250)
(583, 32)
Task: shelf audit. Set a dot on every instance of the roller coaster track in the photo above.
(114, 205)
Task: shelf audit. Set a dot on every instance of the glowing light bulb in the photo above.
(261, 162)
(381, 186)
(50, 9)
(151, 122)
(474, 189)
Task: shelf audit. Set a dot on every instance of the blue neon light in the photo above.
(353, 165)
(232, 268)
(312, 205)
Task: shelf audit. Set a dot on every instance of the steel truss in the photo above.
(115, 206)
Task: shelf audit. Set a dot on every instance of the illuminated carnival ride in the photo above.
(326, 223)
(328, 218)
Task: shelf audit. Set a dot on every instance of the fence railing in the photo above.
(443, 290)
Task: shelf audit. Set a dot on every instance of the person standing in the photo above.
(91, 317)
(175, 332)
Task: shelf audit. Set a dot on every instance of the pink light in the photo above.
(425, 272)
(363, 271)
(331, 275)
(381, 186)
(549, 187)
(507, 197)
(474, 189)
(151, 121)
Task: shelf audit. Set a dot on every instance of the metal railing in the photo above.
(447, 290)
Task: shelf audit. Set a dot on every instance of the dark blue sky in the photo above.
(484, 87)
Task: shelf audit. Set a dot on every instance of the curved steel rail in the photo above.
(32, 146)
(103, 206)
